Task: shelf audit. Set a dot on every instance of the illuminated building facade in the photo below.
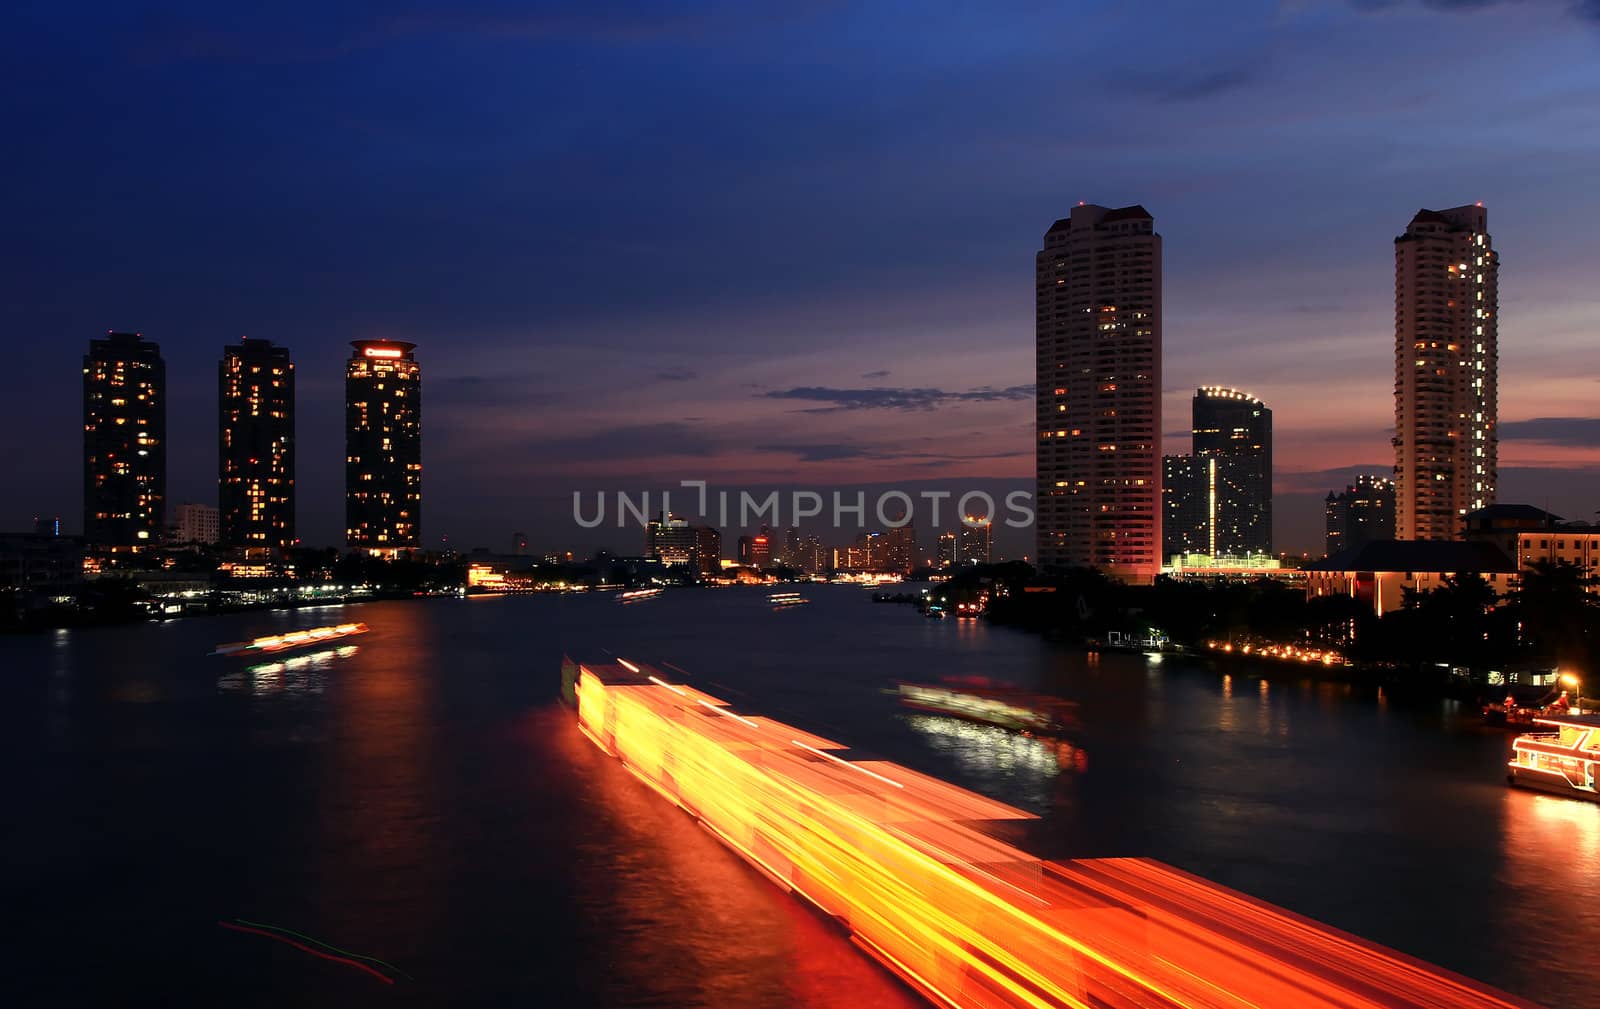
(755, 551)
(676, 543)
(383, 447)
(1219, 499)
(124, 442)
(1098, 368)
(944, 554)
(1446, 308)
(255, 470)
(977, 541)
(1362, 513)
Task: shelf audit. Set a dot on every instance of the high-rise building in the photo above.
(900, 550)
(124, 442)
(1228, 497)
(47, 526)
(1185, 526)
(671, 540)
(255, 472)
(1360, 514)
(977, 540)
(383, 447)
(755, 551)
(944, 554)
(707, 551)
(195, 524)
(1098, 342)
(1446, 353)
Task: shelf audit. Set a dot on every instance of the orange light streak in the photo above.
(968, 920)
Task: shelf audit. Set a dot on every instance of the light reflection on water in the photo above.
(422, 799)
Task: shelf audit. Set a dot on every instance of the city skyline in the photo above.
(723, 361)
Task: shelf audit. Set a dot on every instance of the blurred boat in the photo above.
(292, 639)
(781, 600)
(991, 704)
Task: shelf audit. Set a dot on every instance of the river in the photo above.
(420, 797)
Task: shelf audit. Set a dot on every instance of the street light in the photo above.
(1572, 680)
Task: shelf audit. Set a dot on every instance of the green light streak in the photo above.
(319, 942)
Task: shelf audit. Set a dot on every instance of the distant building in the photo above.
(383, 447)
(977, 541)
(899, 550)
(1380, 573)
(255, 472)
(1218, 500)
(755, 551)
(944, 554)
(1097, 284)
(1446, 312)
(47, 526)
(35, 560)
(1360, 514)
(195, 525)
(124, 442)
(707, 551)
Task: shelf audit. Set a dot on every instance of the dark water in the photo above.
(423, 800)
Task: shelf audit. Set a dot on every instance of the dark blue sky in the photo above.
(638, 242)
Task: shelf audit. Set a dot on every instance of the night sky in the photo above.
(638, 243)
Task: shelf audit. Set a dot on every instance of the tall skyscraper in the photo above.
(977, 541)
(1235, 429)
(1185, 519)
(1360, 514)
(124, 442)
(1098, 342)
(1446, 353)
(383, 447)
(944, 554)
(255, 470)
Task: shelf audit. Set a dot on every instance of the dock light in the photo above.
(1570, 680)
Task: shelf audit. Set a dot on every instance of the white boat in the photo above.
(1564, 761)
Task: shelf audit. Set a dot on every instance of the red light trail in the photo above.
(307, 949)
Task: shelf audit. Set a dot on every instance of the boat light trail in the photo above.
(327, 946)
(898, 859)
(358, 965)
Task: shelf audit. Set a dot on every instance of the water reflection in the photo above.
(297, 674)
(1551, 865)
(1028, 764)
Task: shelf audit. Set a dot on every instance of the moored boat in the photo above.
(1565, 761)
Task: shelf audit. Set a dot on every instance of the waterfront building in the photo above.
(1446, 366)
(1098, 399)
(1184, 528)
(1533, 537)
(124, 442)
(196, 524)
(977, 541)
(1380, 573)
(707, 551)
(755, 551)
(383, 447)
(255, 426)
(944, 555)
(1360, 514)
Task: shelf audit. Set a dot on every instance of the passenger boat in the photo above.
(637, 595)
(293, 639)
(781, 600)
(1565, 761)
(987, 704)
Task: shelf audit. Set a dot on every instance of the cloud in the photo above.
(1587, 10)
(1580, 431)
(823, 452)
(1187, 85)
(677, 375)
(875, 374)
(637, 441)
(883, 398)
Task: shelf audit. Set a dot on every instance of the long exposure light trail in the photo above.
(899, 860)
